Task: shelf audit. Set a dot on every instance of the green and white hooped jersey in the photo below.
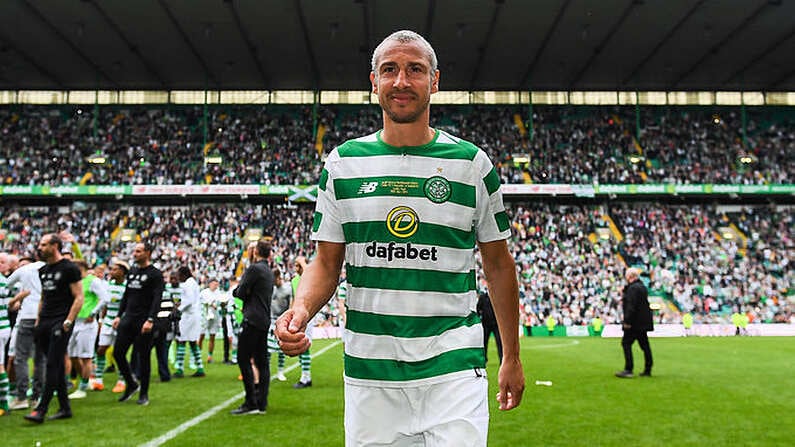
(115, 291)
(5, 323)
(410, 218)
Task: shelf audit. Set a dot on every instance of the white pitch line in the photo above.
(173, 433)
(552, 346)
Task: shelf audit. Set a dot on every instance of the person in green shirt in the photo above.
(305, 358)
(551, 322)
(737, 322)
(687, 322)
(86, 327)
(597, 325)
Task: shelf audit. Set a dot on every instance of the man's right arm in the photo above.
(318, 283)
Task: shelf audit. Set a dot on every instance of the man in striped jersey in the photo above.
(5, 334)
(405, 208)
(107, 334)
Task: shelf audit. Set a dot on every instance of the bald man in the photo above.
(637, 323)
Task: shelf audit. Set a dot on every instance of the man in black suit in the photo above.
(637, 322)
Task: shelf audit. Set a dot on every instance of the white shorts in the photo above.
(84, 336)
(12, 343)
(190, 327)
(212, 326)
(452, 413)
(5, 334)
(107, 336)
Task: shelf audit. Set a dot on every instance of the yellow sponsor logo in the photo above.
(402, 222)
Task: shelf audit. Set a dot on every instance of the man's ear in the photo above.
(435, 82)
(373, 83)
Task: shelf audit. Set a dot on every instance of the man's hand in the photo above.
(147, 327)
(115, 323)
(290, 331)
(626, 326)
(511, 383)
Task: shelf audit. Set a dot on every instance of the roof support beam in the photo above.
(662, 42)
(486, 40)
(32, 61)
(207, 73)
(428, 34)
(252, 49)
(772, 47)
(525, 80)
(69, 43)
(599, 47)
(131, 46)
(780, 80)
(714, 49)
(299, 9)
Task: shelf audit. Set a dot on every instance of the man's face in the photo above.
(117, 273)
(140, 254)
(46, 249)
(403, 82)
(4, 265)
(213, 285)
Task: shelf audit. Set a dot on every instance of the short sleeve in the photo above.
(491, 220)
(326, 225)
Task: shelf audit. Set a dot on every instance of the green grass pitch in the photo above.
(737, 391)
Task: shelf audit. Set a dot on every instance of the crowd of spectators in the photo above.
(277, 144)
(704, 271)
(569, 264)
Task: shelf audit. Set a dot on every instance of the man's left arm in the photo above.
(500, 270)
(77, 292)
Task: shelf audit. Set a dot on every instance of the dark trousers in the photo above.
(489, 329)
(161, 352)
(253, 344)
(52, 340)
(226, 330)
(129, 334)
(643, 340)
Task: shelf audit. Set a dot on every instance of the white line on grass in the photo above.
(173, 433)
(552, 346)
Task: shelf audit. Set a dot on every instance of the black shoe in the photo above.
(35, 416)
(624, 374)
(61, 414)
(165, 379)
(245, 409)
(129, 392)
(645, 374)
(143, 400)
(199, 373)
(110, 369)
(228, 362)
(300, 385)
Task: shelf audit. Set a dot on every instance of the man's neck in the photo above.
(143, 264)
(55, 258)
(417, 133)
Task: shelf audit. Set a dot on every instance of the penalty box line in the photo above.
(187, 425)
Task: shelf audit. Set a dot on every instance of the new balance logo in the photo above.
(368, 187)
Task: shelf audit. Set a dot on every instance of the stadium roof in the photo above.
(326, 45)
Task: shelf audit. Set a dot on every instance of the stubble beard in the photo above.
(408, 117)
